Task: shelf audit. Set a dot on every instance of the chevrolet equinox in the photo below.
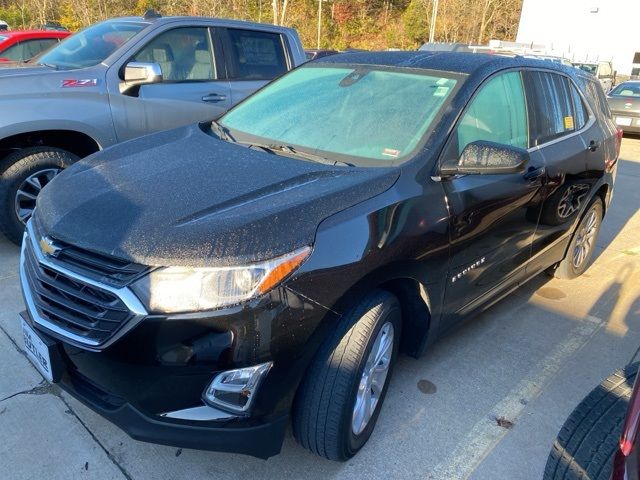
(204, 286)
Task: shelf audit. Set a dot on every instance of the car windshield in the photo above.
(587, 67)
(370, 115)
(90, 46)
(626, 90)
(3, 38)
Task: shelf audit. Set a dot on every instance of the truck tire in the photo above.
(583, 243)
(339, 400)
(589, 438)
(25, 173)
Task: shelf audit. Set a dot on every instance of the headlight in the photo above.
(179, 289)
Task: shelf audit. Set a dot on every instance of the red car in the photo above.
(20, 46)
(599, 440)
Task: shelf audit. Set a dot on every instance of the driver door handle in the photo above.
(214, 98)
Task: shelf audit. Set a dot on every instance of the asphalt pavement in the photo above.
(484, 403)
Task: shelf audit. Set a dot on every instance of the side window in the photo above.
(550, 106)
(581, 115)
(255, 55)
(14, 52)
(497, 113)
(35, 47)
(184, 54)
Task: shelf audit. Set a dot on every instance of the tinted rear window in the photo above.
(550, 106)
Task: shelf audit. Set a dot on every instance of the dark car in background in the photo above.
(23, 45)
(624, 102)
(599, 440)
(204, 286)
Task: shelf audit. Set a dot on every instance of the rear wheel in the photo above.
(339, 401)
(582, 244)
(29, 171)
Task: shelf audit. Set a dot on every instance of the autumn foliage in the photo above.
(369, 24)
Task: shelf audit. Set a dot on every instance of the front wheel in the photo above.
(583, 243)
(339, 401)
(29, 171)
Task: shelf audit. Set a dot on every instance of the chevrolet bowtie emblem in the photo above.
(48, 248)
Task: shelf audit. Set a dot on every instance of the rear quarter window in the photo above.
(596, 97)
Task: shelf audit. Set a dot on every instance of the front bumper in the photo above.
(150, 382)
(262, 440)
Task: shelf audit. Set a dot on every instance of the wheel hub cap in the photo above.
(373, 379)
(29, 190)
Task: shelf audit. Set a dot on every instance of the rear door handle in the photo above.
(593, 146)
(534, 173)
(214, 98)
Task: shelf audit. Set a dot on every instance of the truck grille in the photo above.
(68, 304)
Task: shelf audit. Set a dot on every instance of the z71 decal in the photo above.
(87, 82)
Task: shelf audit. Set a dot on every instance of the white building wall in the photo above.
(584, 30)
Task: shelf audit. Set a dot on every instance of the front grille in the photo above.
(84, 310)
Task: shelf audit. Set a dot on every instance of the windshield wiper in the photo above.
(50, 65)
(223, 132)
(288, 149)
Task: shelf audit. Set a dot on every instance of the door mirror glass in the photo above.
(139, 73)
(488, 158)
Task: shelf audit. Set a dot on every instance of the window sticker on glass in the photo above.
(441, 92)
(390, 152)
(568, 123)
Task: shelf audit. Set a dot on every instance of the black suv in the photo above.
(203, 286)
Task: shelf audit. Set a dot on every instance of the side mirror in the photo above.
(487, 158)
(139, 73)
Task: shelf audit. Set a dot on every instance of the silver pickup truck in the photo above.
(121, 79)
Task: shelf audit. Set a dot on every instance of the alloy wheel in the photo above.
(571, 200)
(28, 191)
(374, 376)
(585, 239)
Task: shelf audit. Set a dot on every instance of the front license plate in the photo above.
(624, 121)
(36, 350)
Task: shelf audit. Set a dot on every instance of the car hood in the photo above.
(186, 198)
(622, 105)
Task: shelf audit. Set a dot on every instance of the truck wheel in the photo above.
(339, 400)
(582, 244)
(588, 439)
(26, 172)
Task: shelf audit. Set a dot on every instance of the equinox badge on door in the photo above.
(467, 270)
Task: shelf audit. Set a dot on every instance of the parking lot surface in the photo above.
(484, 403)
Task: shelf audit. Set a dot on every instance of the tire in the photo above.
(39, 164)
(589, 438)
(323, 413)
(569, 268)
